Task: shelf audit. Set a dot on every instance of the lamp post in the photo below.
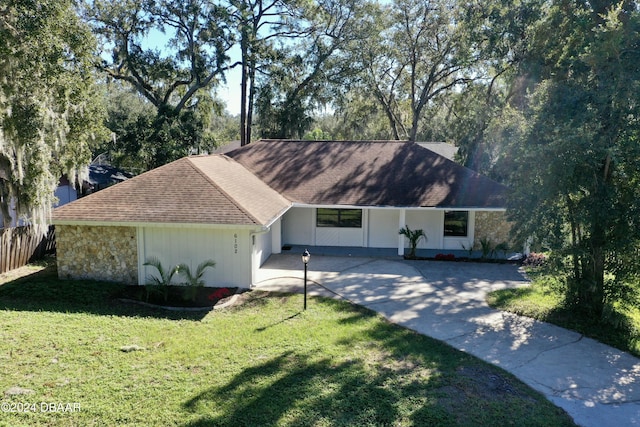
(305, 259)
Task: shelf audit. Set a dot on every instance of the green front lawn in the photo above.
(261, 362)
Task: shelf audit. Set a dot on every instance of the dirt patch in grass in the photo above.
(178, 296)
(477, 383)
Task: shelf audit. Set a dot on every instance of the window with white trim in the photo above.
(456, 223)
(340, 218)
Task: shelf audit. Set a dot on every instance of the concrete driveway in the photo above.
(596, 384)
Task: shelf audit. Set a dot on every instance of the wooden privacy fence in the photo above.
(19, 246)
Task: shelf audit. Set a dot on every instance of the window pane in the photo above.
(351, 218)
(327, 217)
(455, 223)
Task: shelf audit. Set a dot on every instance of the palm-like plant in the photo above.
(160, 281)
(194, 280)
(414, 237)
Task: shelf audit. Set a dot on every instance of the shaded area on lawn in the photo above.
(189, 297)
(43, 291)
(261, 361)
(397, 378)
(543, 303)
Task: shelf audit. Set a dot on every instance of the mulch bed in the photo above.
(453, 258)
(176, 297)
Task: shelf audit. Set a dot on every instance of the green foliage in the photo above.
(50, 109)
(502, 247)
(143, 138)
(414, 237)
(305, 73)
(159, 283)
(335, 364)
(487, 248)
(546, 300)
(281, 119)
(414, 58)
(468, 249)
(317, 134)
(194, 280)
(357, 117)
(176, 80)
(576, 169)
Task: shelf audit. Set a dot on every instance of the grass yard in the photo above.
(262, 362)
(543, 300)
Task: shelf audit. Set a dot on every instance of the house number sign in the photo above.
(235, 243)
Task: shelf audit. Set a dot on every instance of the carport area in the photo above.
(596, 384)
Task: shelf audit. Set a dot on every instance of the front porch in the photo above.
(373, 231)
(391, 253)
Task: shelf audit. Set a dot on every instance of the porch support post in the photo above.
(276, 236)
(401, 224)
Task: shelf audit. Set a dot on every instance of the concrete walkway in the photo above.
(596, 384)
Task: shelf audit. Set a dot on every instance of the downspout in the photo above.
(253, 234)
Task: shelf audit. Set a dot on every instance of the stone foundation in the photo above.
(493, 226)
(97, 253)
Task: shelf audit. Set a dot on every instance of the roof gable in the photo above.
(243, 188)
(367, 173)
(198, 190)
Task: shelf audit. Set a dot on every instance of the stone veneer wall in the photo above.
(492, 225)
(98, 253)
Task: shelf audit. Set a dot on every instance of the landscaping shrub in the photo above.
(534, 260)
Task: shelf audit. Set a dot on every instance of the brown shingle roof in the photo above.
(201, 190)
(251, 185)
(367, 173)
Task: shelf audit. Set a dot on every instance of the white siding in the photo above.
(431, 222)
(230, 249)
(261, 250)
(383, 228)
(276, 237)
(379, 229)
(262, 247)
(297, 226)
(329, 236)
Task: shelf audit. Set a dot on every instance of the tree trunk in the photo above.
(572, 291)
(414, 128)
(593, 288)
(243, 88)
(252, 92)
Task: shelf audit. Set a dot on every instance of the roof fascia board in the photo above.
(432, 208)
(158, 224)
(277, 217)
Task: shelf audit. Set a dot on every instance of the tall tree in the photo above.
(479, 117)
(132, 118)
(578, 168)
(50, 109)
(422, 51)
(259, 25)
(305, 73)
(173, 77)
